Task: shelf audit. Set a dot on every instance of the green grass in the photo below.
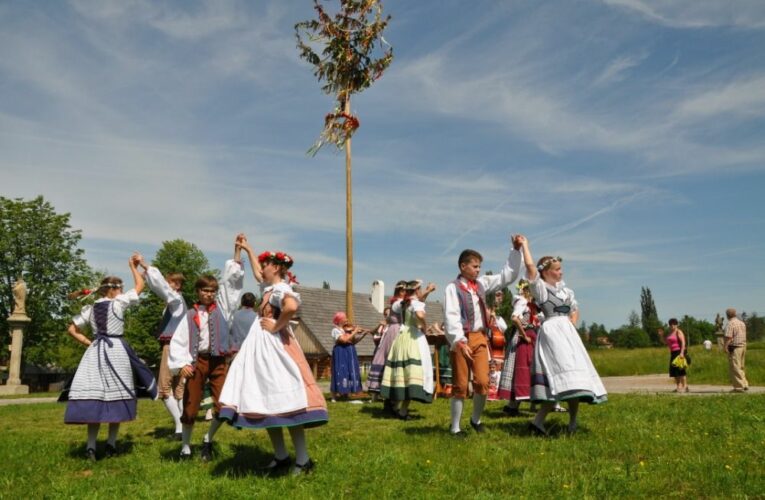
(632, 446)
(708, 367)
(31, 395)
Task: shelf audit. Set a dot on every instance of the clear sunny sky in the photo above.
(627, 136)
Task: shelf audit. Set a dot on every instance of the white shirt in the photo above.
(336, 333)
(173, 300)
(491, 283)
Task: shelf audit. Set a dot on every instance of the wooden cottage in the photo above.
(314, 325)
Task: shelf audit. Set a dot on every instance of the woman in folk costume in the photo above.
(408, 371)
(383, 349)
(346, 373)
(109, 376)
(515, 384)
(270, 385)
(562, 369)
(497, 328)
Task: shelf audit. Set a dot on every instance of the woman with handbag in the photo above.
(678, 360)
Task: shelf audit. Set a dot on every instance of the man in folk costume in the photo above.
(200, 347)
(467, 322)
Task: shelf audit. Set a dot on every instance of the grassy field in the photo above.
(708, 367)
(631, 446)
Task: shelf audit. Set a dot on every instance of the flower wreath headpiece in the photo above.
(277, 258)
(522, 285)
(280, 258)
(545, 264)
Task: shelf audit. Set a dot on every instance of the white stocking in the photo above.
(298, 440)
(457, 404)
(92, 435)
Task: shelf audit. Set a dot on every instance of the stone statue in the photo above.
(20, 298)
(718, 324)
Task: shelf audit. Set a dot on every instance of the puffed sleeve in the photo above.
(538, 289)
(452, 317)
(280, 292)
(572, 300)
(336, 333)
(125, 300)
(83, 319)
(396, 307)
(160, 286)
(230, 288)
(417, 306)
(519, 306)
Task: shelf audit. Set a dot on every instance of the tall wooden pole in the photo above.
(348, 223)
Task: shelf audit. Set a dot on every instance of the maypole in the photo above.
(346, 66)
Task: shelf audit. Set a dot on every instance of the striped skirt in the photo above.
(408, 371)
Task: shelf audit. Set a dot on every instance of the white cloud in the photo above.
(698, 13)
(615, 71)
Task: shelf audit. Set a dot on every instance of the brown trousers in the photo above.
(208, 368)
(167, 383)
(479, 348)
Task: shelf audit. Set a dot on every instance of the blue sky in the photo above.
(624, 135)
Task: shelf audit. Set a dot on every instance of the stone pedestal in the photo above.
(17, 324)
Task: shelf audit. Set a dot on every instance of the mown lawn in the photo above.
(631, 446)
(708, 367)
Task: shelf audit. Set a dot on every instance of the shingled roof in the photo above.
(319, 305)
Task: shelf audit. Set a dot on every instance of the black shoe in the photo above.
(537, 431)
(206, 453)
(185, 456)
(90, 455)
(478, 427)
(403, 417)
(278, 464)
(458, 434)
(306, 468)
(510, 411)
(178, 436)
(110, 450)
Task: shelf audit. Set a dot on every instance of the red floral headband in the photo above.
(277, 258)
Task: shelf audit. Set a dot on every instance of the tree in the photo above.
(141, 323)
(696, 330)
(630, 336)
(649, 318)
(634, 320)
(346, 66)
(755, 327)
(40, 245)
(325, 285)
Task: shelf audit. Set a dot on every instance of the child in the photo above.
(270, 385)
(200, 347)
(169, 290)
(408, 371)
(562, 369)
(103, 388)
(515, 383)
(346, 374)
(381, 353)
(467, 323)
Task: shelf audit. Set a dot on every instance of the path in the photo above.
(639, 384)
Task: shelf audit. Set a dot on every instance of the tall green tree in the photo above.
(649, 318)
(346, 65)
(141, 323)
(40, 245)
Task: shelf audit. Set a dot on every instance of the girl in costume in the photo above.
(269, 384)
(562, 369)
(110, 375)
(408, 371)
(346, 374)
(515, 384)
(381, 353)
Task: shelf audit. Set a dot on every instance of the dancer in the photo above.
(201, 345)
(270, 385)
(168, 289)
(381, 354)
(103, 389)
(408, 371)
(346, 373)
(467, 321)
(562, 369)
(515, 383)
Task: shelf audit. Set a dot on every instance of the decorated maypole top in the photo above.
(342, 49)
